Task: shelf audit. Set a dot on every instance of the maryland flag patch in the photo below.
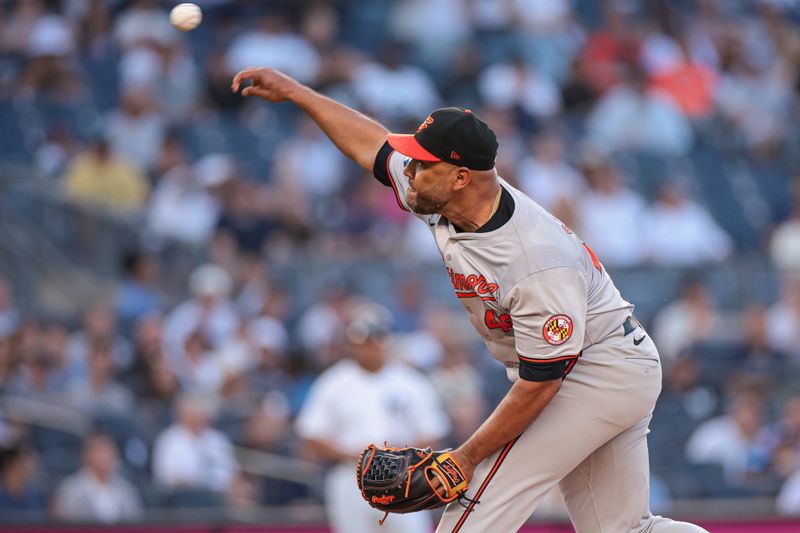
(557, 330)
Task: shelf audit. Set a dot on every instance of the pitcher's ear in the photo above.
(463, 178)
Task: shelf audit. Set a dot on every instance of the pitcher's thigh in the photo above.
(609, 491)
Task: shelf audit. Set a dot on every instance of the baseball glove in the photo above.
(398, 480)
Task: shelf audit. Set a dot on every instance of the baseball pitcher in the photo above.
(586, 375)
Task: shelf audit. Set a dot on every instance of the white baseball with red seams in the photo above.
(186, 16)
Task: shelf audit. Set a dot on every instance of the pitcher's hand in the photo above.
(267, 83)
(466, 464)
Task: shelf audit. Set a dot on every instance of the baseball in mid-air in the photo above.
(186, 16)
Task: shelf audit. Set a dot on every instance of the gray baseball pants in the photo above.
(591, 440)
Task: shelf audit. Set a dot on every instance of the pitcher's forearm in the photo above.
(355, 134)
(520, 407)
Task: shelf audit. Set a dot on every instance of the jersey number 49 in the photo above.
(494, 321)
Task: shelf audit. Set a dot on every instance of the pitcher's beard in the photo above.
(426, 206)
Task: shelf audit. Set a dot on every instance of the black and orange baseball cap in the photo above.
(453, 135)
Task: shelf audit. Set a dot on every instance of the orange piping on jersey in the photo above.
(546, 359)
(391, 180)
(485, 484)
(571, 365)
(593, 255)
(475, 295)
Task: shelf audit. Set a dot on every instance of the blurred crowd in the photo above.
(662, 132)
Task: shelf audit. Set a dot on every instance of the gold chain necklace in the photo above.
(496, 202)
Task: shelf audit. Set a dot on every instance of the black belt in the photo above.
(629, 325)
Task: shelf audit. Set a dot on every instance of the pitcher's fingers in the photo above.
(241, 76)
(437, 486)
(255, 91)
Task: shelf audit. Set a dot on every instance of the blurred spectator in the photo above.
(144, 21)
(308, 160)
(685, 395)
(198, 368)
(99, 329)
(159, 392)
(244, 221)
(147, 346)
(187, 202)
(755, 357)
(409, 298)
(34, 378)
(320, 327)
(49, 46)
(269, 341)
(547, 177)
(417, 245)
(208, 313)
(168, 71)
(138, 294)
(97, 492)
(52, 157)
(268, 429)
(614, 45)
(460, 87)
(690, 85)
(547, 34)
(274, 45)
(730, 440)
(99, 394)
(781, 440)
(392, 402)
(255, 290)
(190, 453)
(393, 89)
(459, 386)
(679, 232)
(441, 330)
(682, 68)
(100, 178)
(517, 85)
(753, 99)
(95, 20)
(608, 215)
(53, 344)
(666, 47)
(9, 316)
(784, 245)
(18, 25)
(788, 500)
(688, 320)
(20, 497)
(438, 40)
(783, 318)
(137, 129)
(630, 117)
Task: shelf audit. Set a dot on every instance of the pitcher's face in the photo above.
(429, 185)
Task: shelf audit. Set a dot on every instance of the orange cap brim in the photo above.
(407, 145)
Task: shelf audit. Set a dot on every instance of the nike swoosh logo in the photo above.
(638, 341)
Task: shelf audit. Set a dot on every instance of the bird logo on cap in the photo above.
(428, 122)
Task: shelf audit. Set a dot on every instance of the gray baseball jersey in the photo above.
(546, 307)
(531, 288)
